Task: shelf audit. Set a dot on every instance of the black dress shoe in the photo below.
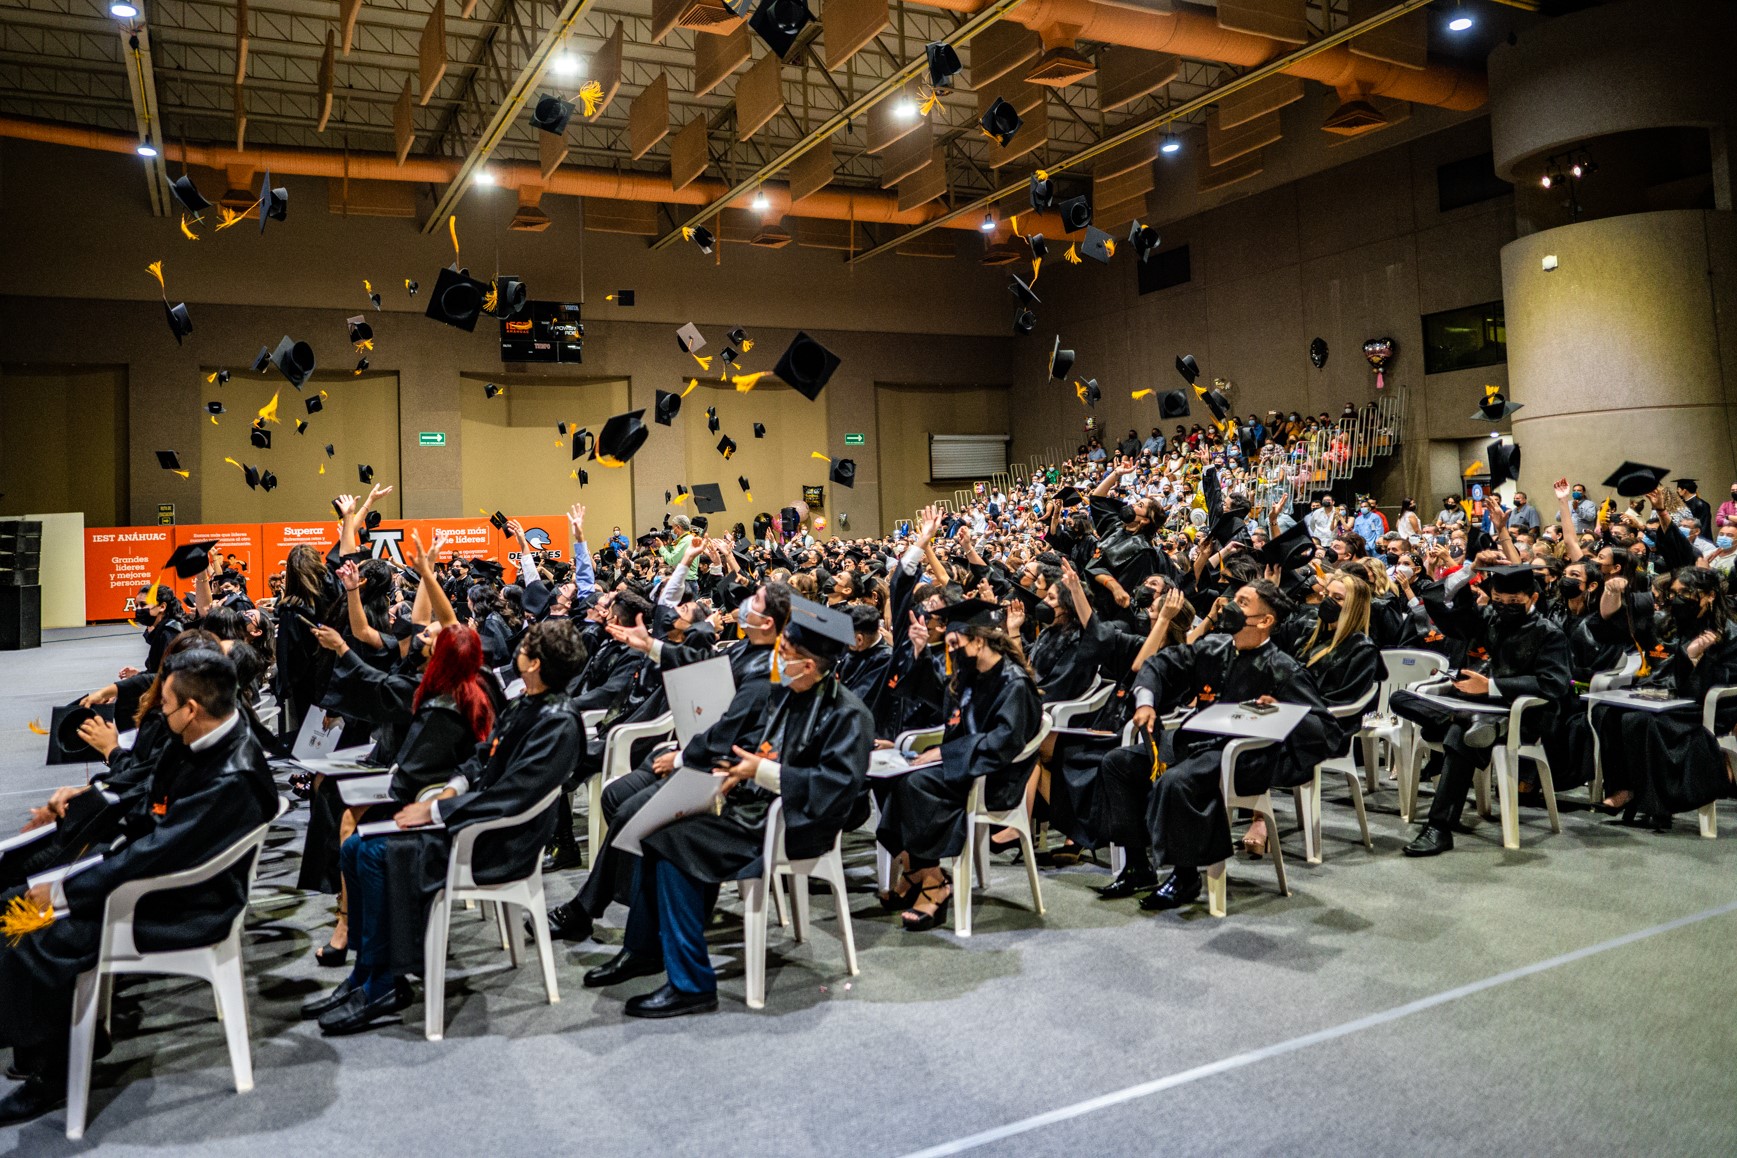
(38, 1096)
(624, 966)
(326, 1002)
(1177, 890)
(569, 922)
(668, 1001)
(563, 856)
(358, 1013)
(1432, 841)
(1127, 883)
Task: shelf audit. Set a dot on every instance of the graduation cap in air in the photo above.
(1097, 245)
(844, 472)
(1188, 368)
(331, 451)
(742, 481)
(1068, 496)
(1041, 191)
(262, 361)
(728, 356)
(1633, 479)
(168, 460)
(214, 408)
(712, 419)
(1076, 213)
(1288, 550)
(819, 630)
(583, 441)
(1039, 246)
(189, 197)
(1494, 407)
(490, 390)
(1018, 287)
(1060, 360)
(1024, 322)
(970, 613)
(360, 330)
(726, 446)
(1504, 461)
(294, 360)
(759, 430)
(301, 426)
(273, 201)
(365, 473)
(622, 437)
(361, 365)
(943, 64)
(180, 321)
(499, 522)
(700, 236)
(190, 559)
(1089, 392)
(551, 114)
(1144, 239)
(457, 299)
(1000, 122)
(315, 402)
(1215, 401)
(509, 294)
(1226, 528)
(260, 437)
(250, 475)
(1173, 404)
(708, 498)
(583, 475)
(221, 377)
(668, 405)
(806, 366)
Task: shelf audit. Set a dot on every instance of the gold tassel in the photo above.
(268, 412)
(452, 228)
(183, 473)
(746, 382)
(155, 269)
(36, 726)
(21, 919)
(692, 382)
(231, 217)
(1073, 255)
(1138, 394)
(747, 344)
(592, 97)
(817, 454)
(186, 230)
(1109, 247)
(705, 360)
(491, 300)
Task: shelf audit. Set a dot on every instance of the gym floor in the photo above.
(1571, 996)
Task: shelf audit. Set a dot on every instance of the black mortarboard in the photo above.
(668, 405)
(498, 521)
(1288, 549)
(806, 366)
(726, 446)
(1039, 246)
(510, 295)
(1068, 496)
(738, 336)
(537, 597)
(1017, 286)
(1001, 121)
(1097, 245)
(294, 360)
(689, 338)
(943, 63)
(360, 329)
(490, 390)
(844, 472)
(66, 732)
(1105, 505)
(1504, 461)
(759, 430)
(1188, 368)
(584, 476)
(250, 475)
(700, 236)
(1144, 239)
(712, 423)
(273, 201)
(262, 361)
(189, 197)
(314, 403)
(1225, 530)
(190, 559)
(819, 630)
(970, 613)
(1089, 392)
(708, 498)
(488, 569)
(1512, 578)
(1173, 404)
(168, 460)
(551, 114)
(742, 481)
(1494, 407)
(301, 426)
(214, 408)
(583, 441)
(1076, 212)
(222, 377)
(1689, 484)
(260, 437)
(1215, 401)
(622, 437)
(331, 451)
(457, 299)
(180, 321)
(365, 473)
(1041, 191)
(1024, 321)
(1060, 360)
(1633, 479)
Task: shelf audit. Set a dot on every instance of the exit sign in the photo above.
(431, 438)
(854, 440)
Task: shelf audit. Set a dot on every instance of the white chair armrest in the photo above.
(1710, 708)
(464, 840)
(772, 846)
(1233, 752)
(1353, 711)
(918, 739)
(1517, 712)
(123, 902)
(1036, 742)
(591, 718)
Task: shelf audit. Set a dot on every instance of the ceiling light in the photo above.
(761, 201)
(905, 109)
(1459, 23)
(484, 177)
(566, 64)
(988, 225)
(1172, 144)
(146, 149)
(121, 10)
(1576, 169)
(1547, 180)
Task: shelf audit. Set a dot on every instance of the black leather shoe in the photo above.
(326, 1002)
(624, 966)
(1127, 883)
(668, 1001)
(358, 1013)
(563, 856)
(38, 1096)
(1432, 841)
(1177, 890)
(568, 922)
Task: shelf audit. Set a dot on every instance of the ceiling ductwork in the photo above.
(1061, 63)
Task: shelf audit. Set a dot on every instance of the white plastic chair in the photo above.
(220, 965)
(980, 821)
(1261, 804)
(916, 741)
(1709, 813)
(461, 885)
(1063, 713)
(1604, 681)
(1118, 854)
(1386, 733)
(617, 762)
(776, 863)
(1504, 767)
(1308, 796)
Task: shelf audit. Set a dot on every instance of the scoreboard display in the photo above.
(543, 332)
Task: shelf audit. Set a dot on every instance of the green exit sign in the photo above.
(431, 438)
(854, 440)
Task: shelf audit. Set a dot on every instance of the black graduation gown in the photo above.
(531, 751)
(1064, 664)
(1667, 759)
(208, 801)
(1390, 622)
(822, 739)
(1076, 806)
(158, 636)
(865, 673)
(993, 715)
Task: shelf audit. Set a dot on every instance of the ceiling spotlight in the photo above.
(1172, 144)
(1459, 23)
(761, 201)
(566, 64)
(905, 109)
(484, 177)
(1547, 180)
(121, 10)
(988, 225)
(1576, 169)
(146, 149)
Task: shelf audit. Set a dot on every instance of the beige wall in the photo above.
(777, 467)
(63, 439)
(907, 416)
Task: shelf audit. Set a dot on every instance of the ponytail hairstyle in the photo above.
(453, 670)
(1353, 616)
(999, 641)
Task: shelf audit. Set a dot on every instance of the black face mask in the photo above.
(1509, 615)
(1686, 614)
(1569, 588)
(1232, 619)
(1392, 558)
(1143, 597)
(1044, 614)
(963, 665)
(1329, 611)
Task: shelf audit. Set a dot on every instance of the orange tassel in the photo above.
(21, 919)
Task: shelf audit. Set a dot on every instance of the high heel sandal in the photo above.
(927, 921)
(331, 956)
(1256, 847)
(896, 901)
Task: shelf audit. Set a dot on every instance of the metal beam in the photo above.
(142, 84)
(884, 88)
(523, 85)
(1175, 113)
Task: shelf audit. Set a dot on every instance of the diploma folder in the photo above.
(699, 693)
(685, 792)
(1630, 698)
(1236, 720)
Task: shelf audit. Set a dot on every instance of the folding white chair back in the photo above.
(1261, 804)
(1619, 677)
(617, 762)
(1063, 713)
(1308, 796)
(461, 885)
(980, 821)
(775, 863)
(1385, 739)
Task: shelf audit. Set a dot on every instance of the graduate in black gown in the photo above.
(1659, 763)
(1187, 825)
(209, 789)
(993, 712)
(813, 749)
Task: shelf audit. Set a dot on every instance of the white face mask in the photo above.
(747, 617)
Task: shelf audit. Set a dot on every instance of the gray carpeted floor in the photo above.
(1321, 1023)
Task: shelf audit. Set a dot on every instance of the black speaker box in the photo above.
(20, 617)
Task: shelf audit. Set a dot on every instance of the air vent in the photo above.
(1354, 117)
(771, 237)
(1060, 67)
(529, 219)
(1004, 253)
(708, 16)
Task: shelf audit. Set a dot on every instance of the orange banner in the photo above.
(238, 549)
(117, 562)
(279, 539)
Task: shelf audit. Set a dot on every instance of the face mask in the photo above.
(1686, 614)
(1232, 619)
(1392, 559)
(1510, 614)
(1329, 611)
(1579, 495)
(960, 662)
(1723, 542)
(1143, 597)
(1570, 588)
(1044, 614)
(746, 616)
